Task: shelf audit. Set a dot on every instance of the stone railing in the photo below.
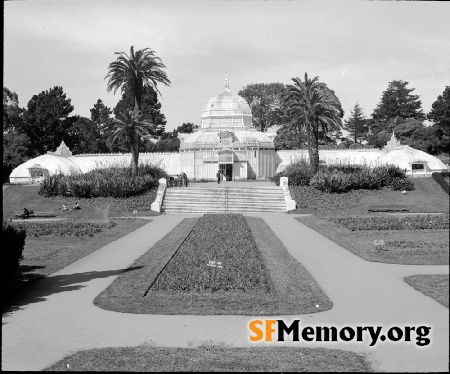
(290, 204)
(156, 205)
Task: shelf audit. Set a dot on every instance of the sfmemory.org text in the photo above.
(276, 329)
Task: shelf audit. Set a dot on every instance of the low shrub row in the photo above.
(65, 228)
(420, 222)
(107, 182)
(194, 266)
(443, 180)
(13, 239)
(345, 177)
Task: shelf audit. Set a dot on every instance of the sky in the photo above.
(356, 48)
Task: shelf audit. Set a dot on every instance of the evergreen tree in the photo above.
(440, 115)
(397, 101)
(46, 120)
(356, 124)
(100, 115)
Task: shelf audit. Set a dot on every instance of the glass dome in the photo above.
(226, 110)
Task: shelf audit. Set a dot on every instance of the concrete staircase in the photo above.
(221, 200)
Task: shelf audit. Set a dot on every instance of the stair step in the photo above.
(212, 200)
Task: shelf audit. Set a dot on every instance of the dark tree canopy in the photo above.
(264, 100)
(100, 114)
(356, 125)
(151, 109)
(46, 119)
(440, 112)
(16, 150)
(397, 101)
(85, 137)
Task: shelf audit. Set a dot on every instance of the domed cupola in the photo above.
(225, 110)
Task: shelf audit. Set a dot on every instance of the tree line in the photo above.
(306, 113)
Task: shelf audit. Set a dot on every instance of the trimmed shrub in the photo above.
(14, 242)
(440, 178)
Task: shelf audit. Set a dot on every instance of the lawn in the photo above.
(47, 254)
(406, 247)
(209, 358)
(17, 197)
(278, 285)
(435, 286)
(428, 197)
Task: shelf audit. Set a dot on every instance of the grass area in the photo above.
(213, 359)
(45, 255)
(418, 247)
(435, 286)
(294, 290)
(17, 197)
(428, 197)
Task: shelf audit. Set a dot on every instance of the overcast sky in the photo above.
(356, 48)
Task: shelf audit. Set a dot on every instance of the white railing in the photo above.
(290, 204)
(156, 205)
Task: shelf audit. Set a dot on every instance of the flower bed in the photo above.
(210, 240)
(422, 222)
(65, 228)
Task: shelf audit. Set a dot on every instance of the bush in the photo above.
(14, 242)
(299, 173)
(342, 178)
(104, 182)
(440, 178)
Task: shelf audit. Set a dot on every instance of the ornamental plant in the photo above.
(103, 182)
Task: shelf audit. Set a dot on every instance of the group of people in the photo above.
(181, 180)
(221, 177)
(75, 207)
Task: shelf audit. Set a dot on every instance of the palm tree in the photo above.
(134, 72)
(132, 126)
(317, 107)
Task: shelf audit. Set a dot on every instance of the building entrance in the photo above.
(227, 171)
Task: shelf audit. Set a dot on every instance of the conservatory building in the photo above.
(226, 141)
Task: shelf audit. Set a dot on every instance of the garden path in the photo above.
(59, 317)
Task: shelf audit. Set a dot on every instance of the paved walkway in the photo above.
(59, 318)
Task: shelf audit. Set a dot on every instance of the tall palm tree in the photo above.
(317, 107)
(132, 126)
(134, 72)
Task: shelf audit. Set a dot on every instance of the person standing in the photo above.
(224, 178)
(218, 175)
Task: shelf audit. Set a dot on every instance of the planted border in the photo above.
(422, 222)
(406, 247)
(293, 291)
